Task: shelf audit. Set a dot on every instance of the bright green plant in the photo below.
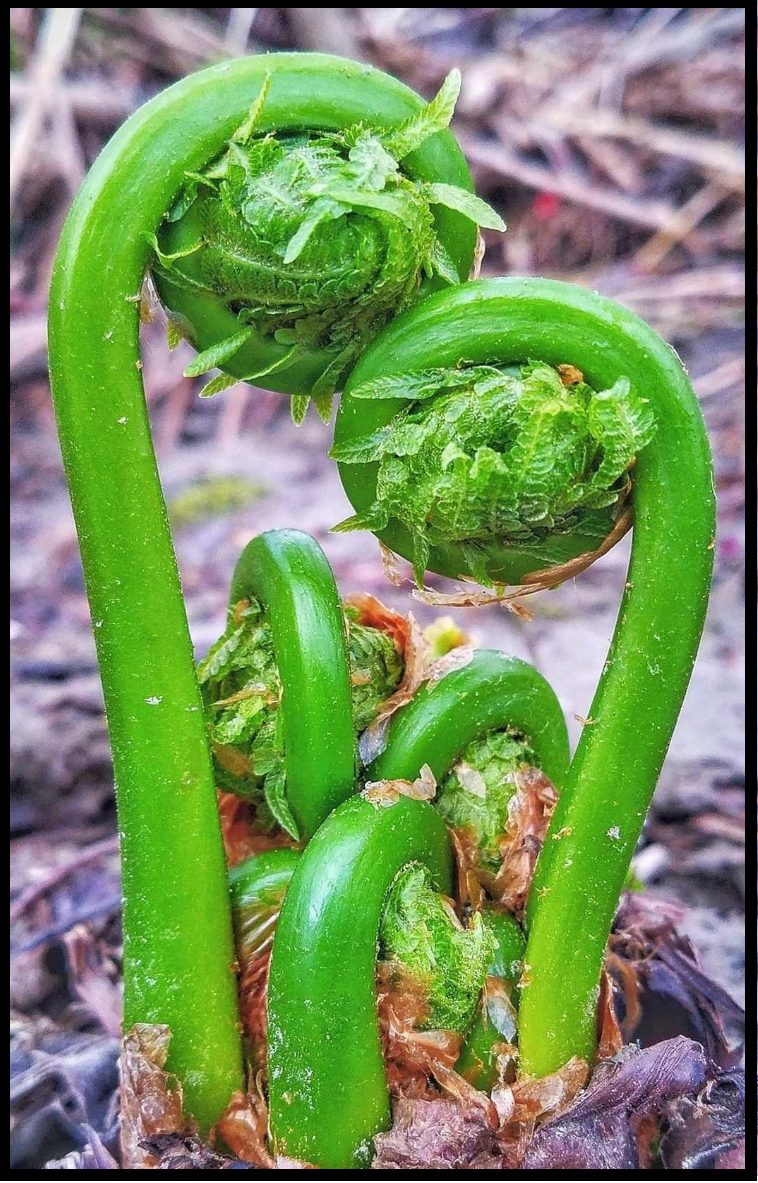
(291, 683)
(178, 944)
(644, 413)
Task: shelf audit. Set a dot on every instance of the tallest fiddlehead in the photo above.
(178, 945)
(609, 458)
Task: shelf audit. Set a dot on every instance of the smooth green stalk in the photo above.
(287, 573)
(178, 941)
(327, 1087)
(602, 805)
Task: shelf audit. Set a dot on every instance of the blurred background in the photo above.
(610, 139)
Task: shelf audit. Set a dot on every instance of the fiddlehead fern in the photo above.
(327, 1090)
(308, 238)
(178, 946)
(493, 692)
(287, 251)
(419, 937)
(519, 457)
(604, 799)
(290, 684)
(361, 878)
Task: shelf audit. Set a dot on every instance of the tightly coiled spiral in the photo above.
(515, 455)
(312, 238)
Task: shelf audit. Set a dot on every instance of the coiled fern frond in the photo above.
(313, 238)
(513, 454)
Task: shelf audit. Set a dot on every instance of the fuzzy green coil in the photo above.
(419, 933)
(483, 453)
(311, 238)
(241, 690)
(475, 794)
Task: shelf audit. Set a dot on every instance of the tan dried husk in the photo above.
(418, 667)
(387, 792)
(629, 984)
(456, 659)
(469, 594)
(253, 993)
(472, 596)
(415, 1058)
(610, 1038)
(469, 890)
(152, 1105)
(374, 614)
(529, 812)
(521, 1105)
(243, 1126)
(151, 1098)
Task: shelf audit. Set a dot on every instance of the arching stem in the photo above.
(603, 803)
(327, 1088)
(288, 572)
(178, 945)
(492, 692)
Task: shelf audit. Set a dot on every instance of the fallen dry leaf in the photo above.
(94, 976)
(661, 967)
(599, 1131)
(435, 1135)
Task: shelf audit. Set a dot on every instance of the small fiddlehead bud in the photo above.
(307, 237)
(421, 936)
(475, 794)
(291, 683)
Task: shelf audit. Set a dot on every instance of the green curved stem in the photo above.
(327, 1086)
(614, 772)
(288, 572)
(478, 1059)
(178, 942)
(491, 693)
(257, 886)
